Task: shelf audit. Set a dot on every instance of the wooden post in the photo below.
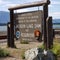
(49, 33)
(45, 13)
(8, 34)
(12, 29)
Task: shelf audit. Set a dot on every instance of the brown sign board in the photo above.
(27, 23)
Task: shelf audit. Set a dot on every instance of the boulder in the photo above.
(31, 54)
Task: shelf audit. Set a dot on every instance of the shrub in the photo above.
(23, 54)
(24, 42)
(56, 49)
(3, 53)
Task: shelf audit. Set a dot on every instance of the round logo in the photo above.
(17, 34)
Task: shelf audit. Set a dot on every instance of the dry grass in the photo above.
(21, 48)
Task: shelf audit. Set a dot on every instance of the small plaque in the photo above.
(18, 34)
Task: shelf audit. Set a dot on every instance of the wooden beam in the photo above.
(34, 4)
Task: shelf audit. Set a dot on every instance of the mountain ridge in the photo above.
(4, 17)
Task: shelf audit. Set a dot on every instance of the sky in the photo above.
(54, 7)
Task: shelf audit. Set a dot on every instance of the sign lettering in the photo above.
(28, 22)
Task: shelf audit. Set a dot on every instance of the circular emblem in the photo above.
(37, 32)
(18, 34)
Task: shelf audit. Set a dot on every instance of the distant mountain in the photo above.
(56, 21)
(4, 17)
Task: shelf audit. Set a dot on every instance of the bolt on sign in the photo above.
(27, 23)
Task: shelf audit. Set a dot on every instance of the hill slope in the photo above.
(4, 17)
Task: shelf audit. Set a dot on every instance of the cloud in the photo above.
(21, 10)
(4, 2)
(55, 15)
(5, 5)
(50, 6)
(55, 2)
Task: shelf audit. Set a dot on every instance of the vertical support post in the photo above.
(45, 13)
(8, 34)
(49, 33)
(12, 29)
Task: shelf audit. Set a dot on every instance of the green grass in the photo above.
(23, 54)
(3, 53)
(24, 42)
(56, 49)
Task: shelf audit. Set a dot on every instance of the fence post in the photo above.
(49, 33)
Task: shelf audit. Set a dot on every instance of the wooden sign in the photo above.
(27, 23)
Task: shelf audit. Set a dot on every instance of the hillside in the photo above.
(4, 17)
(56, 21)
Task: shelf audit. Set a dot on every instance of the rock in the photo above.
(31, 54)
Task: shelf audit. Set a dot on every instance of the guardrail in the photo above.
(57, 33)
(3, 37)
